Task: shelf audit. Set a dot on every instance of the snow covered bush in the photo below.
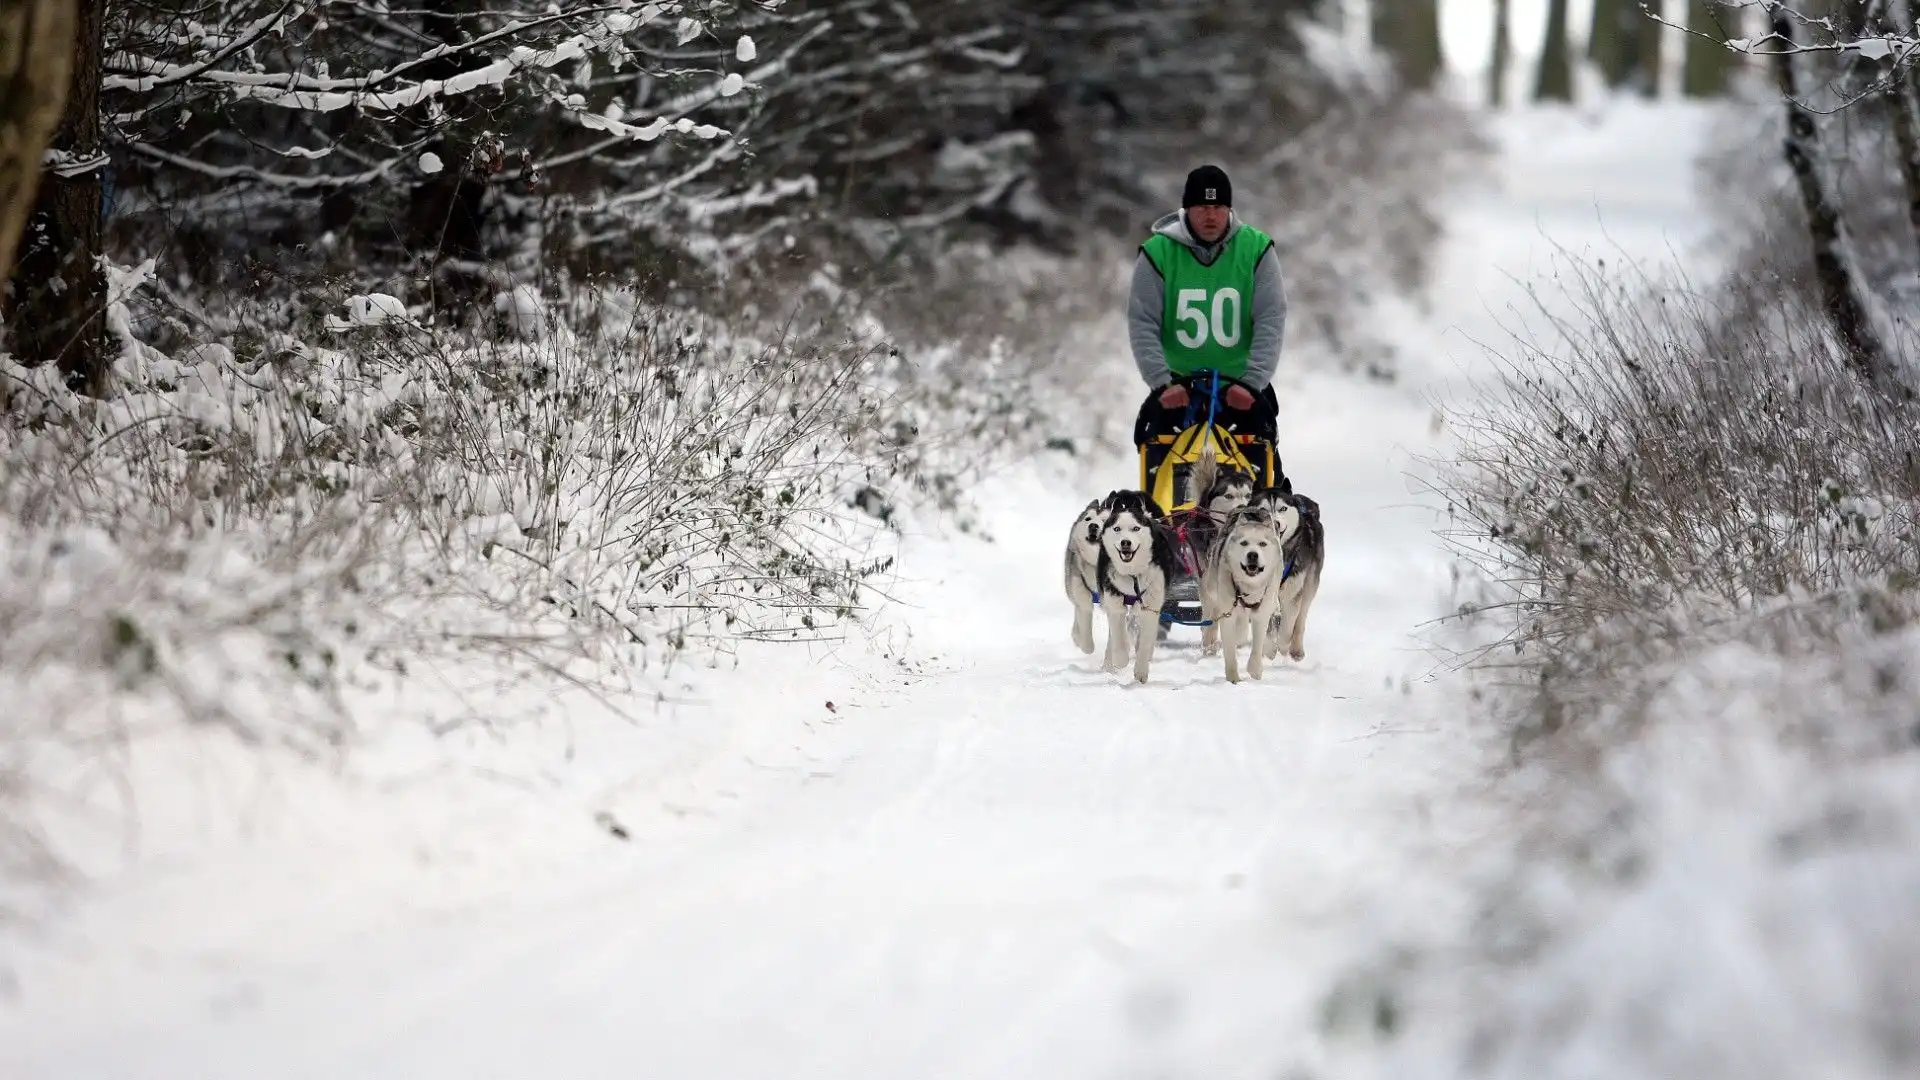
(1689, 467)
(1695, 531)
(244, 531)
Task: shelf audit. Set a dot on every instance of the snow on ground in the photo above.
(956, 849)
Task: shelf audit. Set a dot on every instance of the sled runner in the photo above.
(1170, 446)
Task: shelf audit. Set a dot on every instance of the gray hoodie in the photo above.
(1147, 303)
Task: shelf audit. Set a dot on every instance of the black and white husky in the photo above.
(1136, 564)
(1221, 491)
(1240, 585)
(1083, 570)
(1305, 544)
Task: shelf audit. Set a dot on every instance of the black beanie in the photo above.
(1207, 186)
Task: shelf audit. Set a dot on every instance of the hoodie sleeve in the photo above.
(1145, 304)
(1269, 320)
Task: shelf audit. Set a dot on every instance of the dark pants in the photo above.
(1262, 421)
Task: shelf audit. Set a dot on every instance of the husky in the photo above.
(1240, 585)
(1136, 564)
(1221, 492)
(1083, 570)
(1305, 545)
(1221, 489)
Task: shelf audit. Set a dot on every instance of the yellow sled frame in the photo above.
(1186, 449)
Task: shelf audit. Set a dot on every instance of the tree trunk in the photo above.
(1653, 38)
(446, 211)
(1555, 82)
(36, 60)
(1408, 31)
(1903, 112)
(1502, 53)
(1619, 44)
(1707, 59)
(57, 305)
(1841, 294)
(1603, 36)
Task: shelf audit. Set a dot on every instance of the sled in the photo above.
(1167, 461)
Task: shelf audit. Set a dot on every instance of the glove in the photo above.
(1238, 398)
(1174, 397)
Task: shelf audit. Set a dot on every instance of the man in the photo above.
(1207, 296)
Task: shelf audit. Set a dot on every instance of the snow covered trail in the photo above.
(974, 855)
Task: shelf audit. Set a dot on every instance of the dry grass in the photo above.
(1690, 467)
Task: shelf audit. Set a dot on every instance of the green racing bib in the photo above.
(1207, 323)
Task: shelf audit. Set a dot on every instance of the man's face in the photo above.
(1209, 223)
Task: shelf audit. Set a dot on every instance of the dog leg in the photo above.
(1116, 634)
(1230, 644)
(1210, 638)
(1257, 655)
(1297, 645)
(1083, 623)
(1143, 651)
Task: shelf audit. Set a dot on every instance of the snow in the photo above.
(522, 310)
(950, 847)
(744, 51)
(430, 163)
(370, 309)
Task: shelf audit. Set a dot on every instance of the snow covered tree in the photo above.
(56, 297)
(35, 65)
(1903, 111)
(1844, 295)
(451, 148)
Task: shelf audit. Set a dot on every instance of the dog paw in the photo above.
(1298, 652)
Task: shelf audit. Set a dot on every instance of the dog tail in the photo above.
(1205, 471)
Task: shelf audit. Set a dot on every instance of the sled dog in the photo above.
(1136, 563)
(1221, 491)
(1239, 585)
(1083, 570)
(1305, 545)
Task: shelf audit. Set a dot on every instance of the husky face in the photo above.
(1087, 528)
(1128, 536)
(1229, 492)
(1252, 546)
(1268, 499)
(1131, 533)
(1286, 520)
